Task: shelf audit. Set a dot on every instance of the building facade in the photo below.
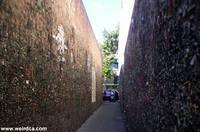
(160, 78)
(50, 64)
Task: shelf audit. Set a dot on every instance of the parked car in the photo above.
(110, 95)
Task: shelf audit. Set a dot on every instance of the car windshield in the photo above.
(108, 92)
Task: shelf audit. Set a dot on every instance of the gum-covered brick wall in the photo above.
(161, 75)
(48, 60)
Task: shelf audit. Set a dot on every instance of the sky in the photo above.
(103, 14)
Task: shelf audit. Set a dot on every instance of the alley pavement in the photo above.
(108, 118)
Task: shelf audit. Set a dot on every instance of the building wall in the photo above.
(161, 71)
(47, 53)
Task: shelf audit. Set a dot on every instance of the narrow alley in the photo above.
(108, 118)
(100, 65)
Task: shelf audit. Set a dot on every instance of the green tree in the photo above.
(109, 50)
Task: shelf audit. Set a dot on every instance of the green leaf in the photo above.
(109, 49)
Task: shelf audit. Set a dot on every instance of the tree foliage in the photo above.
(109, 50)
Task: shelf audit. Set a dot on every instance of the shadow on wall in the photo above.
(161, 71)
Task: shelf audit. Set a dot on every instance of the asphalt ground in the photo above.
(108, 118)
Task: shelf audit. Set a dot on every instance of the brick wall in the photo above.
(161, 73)
(47, 53)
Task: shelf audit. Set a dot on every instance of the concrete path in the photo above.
(108, 118)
